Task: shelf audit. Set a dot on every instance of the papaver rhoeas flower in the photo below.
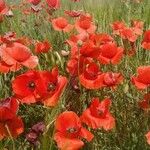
(111, 79)
(91, 77)
(42, 47)
(34, 2)
(53, 4)
(85, 24)
(110, 54)
(3, 8)
(146, 40)
(16, 54)
(51, 86)
(9, 121)
(25, 87)
(61, 24)
(145, 103)
(142, 80)
(98, 115)
(148, 137)
(69, 132)
(117, 26)
(43, 86)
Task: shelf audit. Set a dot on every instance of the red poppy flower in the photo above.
(73, 13)
(34, 2)
(111, 79)
(85, 24)
(117, 27)
(110, 54)
(53, 4)
(91, 77)
(148, 137)
(3, 7)
(9, 122)
(69, 131)
(16, 54)
(25, 87)
(42, 47)
(142, 81)
(137, 27)
(98, 115)
(145, 103)
(52, 86)
(146, 40)
(61, 24)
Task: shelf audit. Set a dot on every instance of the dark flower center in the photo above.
(72, 130)
(31, 85)
(51, 87)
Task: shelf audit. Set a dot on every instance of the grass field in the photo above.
(132, 122)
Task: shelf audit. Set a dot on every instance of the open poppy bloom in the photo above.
(148, 137)
(146, 40)
(61, 24)
(16, 54)
(98, 115)
(85, 24)
(51, 86)
(145, 103)
(69, 131)
(24, 87)
(142, 80)
(34, 2)
(10, 123)
(53, 4)
(110, 54)
(42, 47)
(3, 8)
(91, 77)
(43, 86)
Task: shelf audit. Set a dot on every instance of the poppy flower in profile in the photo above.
(16, 54)
(42, 47)
(53, 4)
(3, 7)
(61, 24)
(145, 103)
(137, 26)
(73, 13)
(69, 131)
(142, 80)
(9, 121)
(110, 54)
(25, 87)
(147, 135)
(34, 2)
(146, 40)
(85, 24)
(98, 115)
